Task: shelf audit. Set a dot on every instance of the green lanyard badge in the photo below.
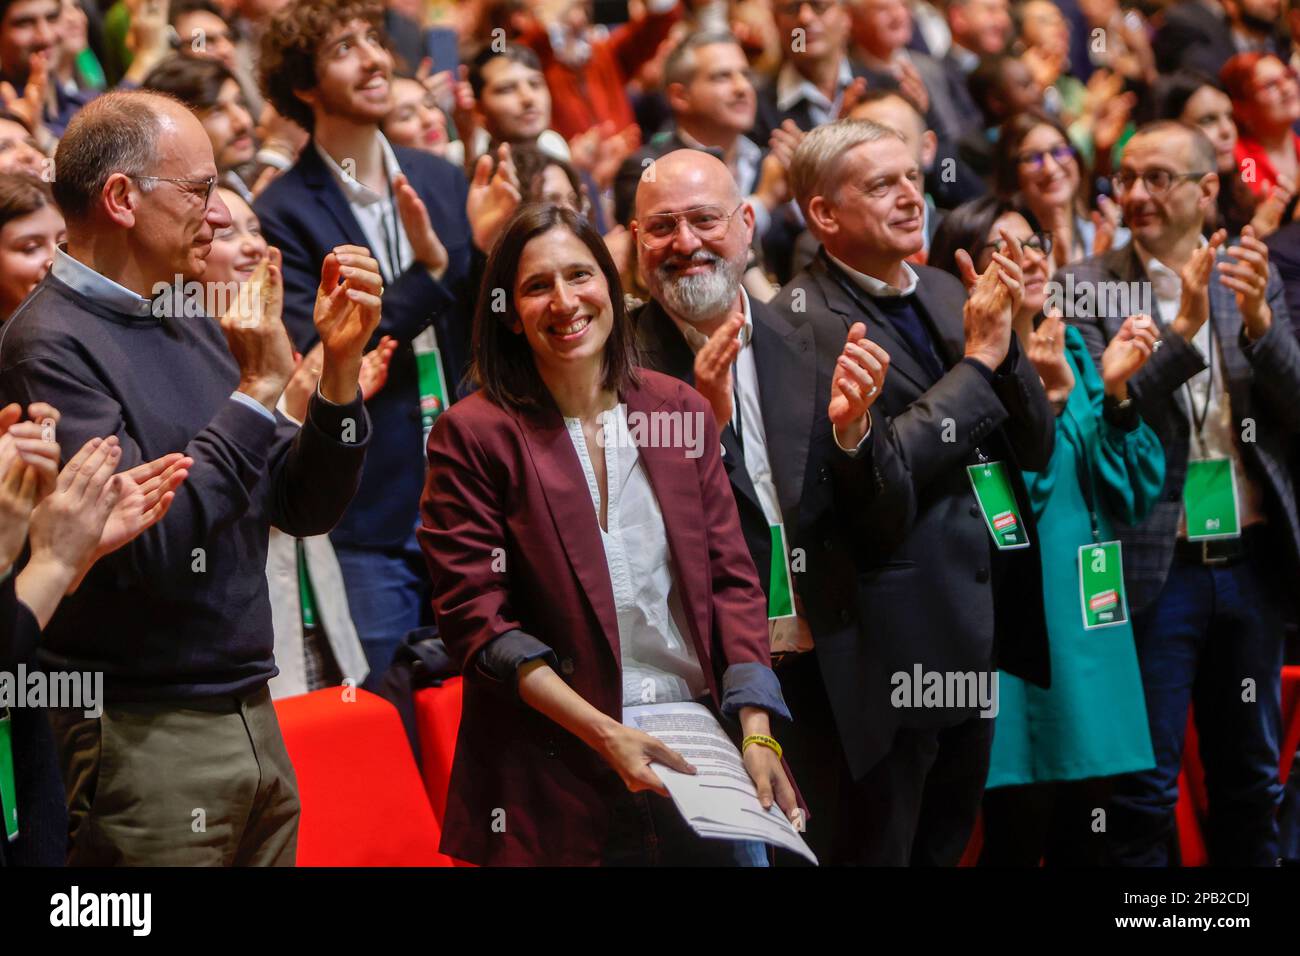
(8, 787)
(997, 501)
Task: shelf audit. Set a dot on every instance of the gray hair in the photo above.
(113, 133)
(681, 64)
(817, 166)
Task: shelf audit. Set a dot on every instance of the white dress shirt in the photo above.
(659, 661)
(376, 214)
(1218, 440)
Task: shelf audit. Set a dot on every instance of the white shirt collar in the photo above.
(875, 287)
(98, 287)
(354, 191)
(746, 149)
(966, 59)
(696, 339)
(791, 87)
(1153, 266)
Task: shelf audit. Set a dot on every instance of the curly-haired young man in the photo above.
(324, 64)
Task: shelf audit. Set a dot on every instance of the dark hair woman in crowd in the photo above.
(1054, 749)
(1041, 171)
(577, 571)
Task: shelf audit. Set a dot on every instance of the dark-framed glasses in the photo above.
(208, 184)
(1157, 181)
(1034, 160)
(1039, 242)
(707, 222)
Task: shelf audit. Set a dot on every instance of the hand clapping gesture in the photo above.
(1194, 306)
(425, 244)
(348, 310)
(1127, 352)
(1046, 350)
(859, 376)
(1248, 278)
(995, 298)
(713, 363)
(256, 335)
(493, 198)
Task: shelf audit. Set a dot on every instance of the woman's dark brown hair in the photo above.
(503, 364)
(21, 194)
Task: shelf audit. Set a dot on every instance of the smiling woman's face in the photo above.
(1049, 173)
(563, 304)
(237, 249)
(26, 250)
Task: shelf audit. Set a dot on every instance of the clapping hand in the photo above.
(1194, 305)
(1248, 278)
(257, 336)
(1127, 352)
(995, 297)
(859, 376)
(1046, 352)
(425, 244)
(713, 363)
(348, 310)
(493, 198)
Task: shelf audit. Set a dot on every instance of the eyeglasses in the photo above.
(819, 7)
(707, 222)
(207, 184)
(1062, 154)
(1038, 242)
(1273, 88)
(1157, 181)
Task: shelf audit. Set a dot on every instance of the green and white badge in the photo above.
(1101, 585)
(1210, 500)
(780, 593)
(997, 501)
(433, 381)
(8, 789)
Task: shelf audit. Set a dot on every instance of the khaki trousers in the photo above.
(179, 783)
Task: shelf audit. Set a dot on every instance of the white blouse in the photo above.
(659, 661)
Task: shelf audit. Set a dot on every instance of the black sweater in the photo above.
(181, 611)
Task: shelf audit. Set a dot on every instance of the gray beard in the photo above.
(701, 297)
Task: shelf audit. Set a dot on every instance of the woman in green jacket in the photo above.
(1055, 750)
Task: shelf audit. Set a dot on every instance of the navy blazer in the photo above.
(305, 215)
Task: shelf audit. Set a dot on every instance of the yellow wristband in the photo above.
(763, 741)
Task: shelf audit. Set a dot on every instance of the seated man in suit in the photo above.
(796, 435)
(324, 66)
(907, 779)
(1206, 581)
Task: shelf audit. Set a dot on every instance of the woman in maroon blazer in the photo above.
(576, 570)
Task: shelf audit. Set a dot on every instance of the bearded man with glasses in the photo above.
(1205, 571)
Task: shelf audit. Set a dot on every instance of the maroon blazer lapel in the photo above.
(559, 471)
(676, 483)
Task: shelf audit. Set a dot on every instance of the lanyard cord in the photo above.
(392, 241)
(1199, 420)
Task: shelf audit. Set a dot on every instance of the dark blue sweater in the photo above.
(182, 611)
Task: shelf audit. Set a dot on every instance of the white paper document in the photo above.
(719, 800)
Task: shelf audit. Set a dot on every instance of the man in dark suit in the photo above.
(980, 28)
(1220, 391)
(350, 187)
(908, 779)
(805, 474)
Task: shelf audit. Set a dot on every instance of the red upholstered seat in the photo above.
(362, 802)
(437, 721)
(1192, 802)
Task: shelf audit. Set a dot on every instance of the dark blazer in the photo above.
(938, 596)
(770, 116)
(305, 215)
(829, 500)
(1263, 382)
(500, 479)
